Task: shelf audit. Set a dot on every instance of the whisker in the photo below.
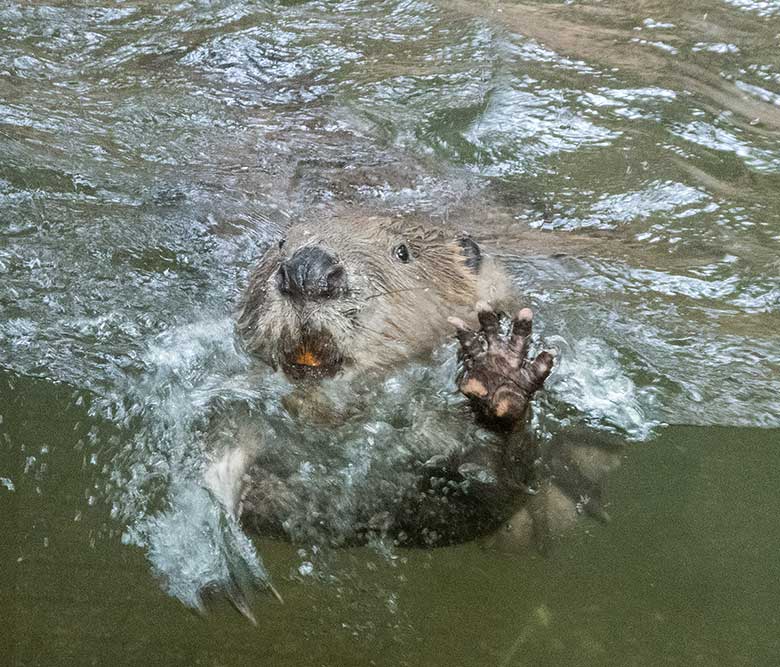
(360, 325)
(396, 291)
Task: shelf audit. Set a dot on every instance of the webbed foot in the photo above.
(574, 470)
(496, 374)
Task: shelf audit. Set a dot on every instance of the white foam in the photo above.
(589, 376)
(195, 546)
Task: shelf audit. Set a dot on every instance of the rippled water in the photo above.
(623, 159)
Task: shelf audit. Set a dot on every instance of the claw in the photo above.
(542, 366)
(520, 337)
(488, 320)
(242, 606)
(470, 341)
(275, 593)
(458, 323)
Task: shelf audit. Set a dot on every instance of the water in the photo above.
(624, 161)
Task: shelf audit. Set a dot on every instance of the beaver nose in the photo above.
(311, 273)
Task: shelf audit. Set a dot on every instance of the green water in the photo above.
(687, 573)
(624, 160)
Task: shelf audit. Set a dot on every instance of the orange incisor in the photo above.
(307, 358)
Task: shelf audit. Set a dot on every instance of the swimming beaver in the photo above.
(369, 440)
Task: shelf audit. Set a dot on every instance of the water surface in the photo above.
(624, 160)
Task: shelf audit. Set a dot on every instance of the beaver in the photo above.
(353, 314)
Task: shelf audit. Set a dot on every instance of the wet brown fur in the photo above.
(392, 311)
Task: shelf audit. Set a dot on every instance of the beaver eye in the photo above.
(401, 252)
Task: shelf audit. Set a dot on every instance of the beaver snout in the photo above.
(311, 273)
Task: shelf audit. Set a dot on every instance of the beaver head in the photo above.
(361, 293)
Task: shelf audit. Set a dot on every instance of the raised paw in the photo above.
(496, 374)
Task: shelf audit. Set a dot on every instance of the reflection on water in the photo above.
(622, 160)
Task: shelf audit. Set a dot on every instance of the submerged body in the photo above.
(373, 438)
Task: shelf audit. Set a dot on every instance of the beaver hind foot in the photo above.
(496, 374)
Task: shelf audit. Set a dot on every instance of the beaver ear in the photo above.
(471, 252)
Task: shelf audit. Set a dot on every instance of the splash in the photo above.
(192, 543)
(590, 377)
(343, 474)
(195, 548)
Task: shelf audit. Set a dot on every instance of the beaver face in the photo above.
(356, 293)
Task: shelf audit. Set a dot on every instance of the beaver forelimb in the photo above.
(496, 374)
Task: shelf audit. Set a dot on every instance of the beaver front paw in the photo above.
(496, 374)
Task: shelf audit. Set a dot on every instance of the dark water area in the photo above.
(622, 158)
